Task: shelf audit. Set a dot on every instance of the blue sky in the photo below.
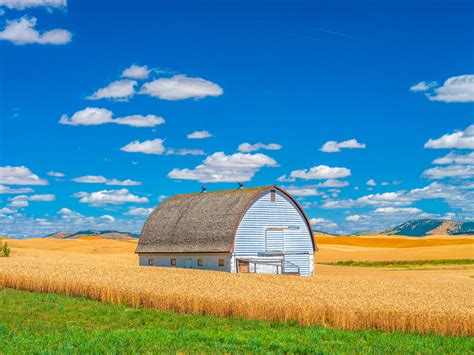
(363, 111)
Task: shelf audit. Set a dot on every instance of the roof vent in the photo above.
(241, 185)
(203, 189)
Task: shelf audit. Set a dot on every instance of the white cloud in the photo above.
(450, 171)
(8, 190)
(219, 167)
(55, 174)
(107, 218)
(391, 210)
(109, 197)
(21, 201)
(355, 218)
(455, 89)
(23, 4)
(248, 148)
(172, 151)
(456, 140)
(43, 198)
(317, 220)
(6, 210)
(302, 191)
(161, 198)
(423, 86)
(371, 182)
(139, 211)
(98, 179)
(120, 90)
(333, 183)
(154, 146)
(136, 72)
(92, 116)
(19, 175)
(140, 121)
(333, 146)
(22, 31)
(319, 172)
(385, 199)
(180, 87)
(199, 135)
(453, 158)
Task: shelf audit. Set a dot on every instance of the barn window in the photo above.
(200, 262)
(173, 262)
(221, 262)
(151, 262)
(273, 196)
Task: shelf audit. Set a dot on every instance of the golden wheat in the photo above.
(344, 297)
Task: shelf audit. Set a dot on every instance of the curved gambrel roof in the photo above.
(200, 222)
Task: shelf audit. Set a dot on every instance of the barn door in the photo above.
(274, 241)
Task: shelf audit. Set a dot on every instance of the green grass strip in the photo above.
(403, 263)
(50, 323)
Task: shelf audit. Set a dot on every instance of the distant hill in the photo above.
(108, 234)
(424, 227)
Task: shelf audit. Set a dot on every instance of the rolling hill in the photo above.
(108, 234)
(424, 227)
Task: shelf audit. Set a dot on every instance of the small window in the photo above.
(221, 262)
(273, 196)
(173, 262)
(200, 262)
(151, 262)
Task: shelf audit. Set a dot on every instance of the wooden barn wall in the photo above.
(250, 238)
(211, 260)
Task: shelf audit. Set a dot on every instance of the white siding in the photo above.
(284, 215)
(211, 261)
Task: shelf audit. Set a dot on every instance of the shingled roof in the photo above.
(200, 222)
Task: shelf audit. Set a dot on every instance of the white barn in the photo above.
(248, 230)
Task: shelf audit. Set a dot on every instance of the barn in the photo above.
(245, 230)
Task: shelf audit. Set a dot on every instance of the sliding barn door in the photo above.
(274, 241)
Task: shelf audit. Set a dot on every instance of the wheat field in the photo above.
(345, 297)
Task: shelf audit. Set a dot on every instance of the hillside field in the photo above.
(347, 297)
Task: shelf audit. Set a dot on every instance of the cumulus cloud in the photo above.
(456, 140)
(453, 158)
(451, 171)
(355, 218)
(248, 148)
(423, 86)
(199, 135)
(136, 72)
(371, 182)
(455, 89)
(219, 167)
(120, 90)
(302, 191)
(19, 175)
(8, 190)
(392, 210)
(92, 116)
(333, 146)
(154, 146)
(55, 174)
(22, 31)
(172, 151)
(180, 87)
(318, 220)
(109, 197)
(23, 4)
(99, 179)
(21, 201)
(139, 211)
(320, 172)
